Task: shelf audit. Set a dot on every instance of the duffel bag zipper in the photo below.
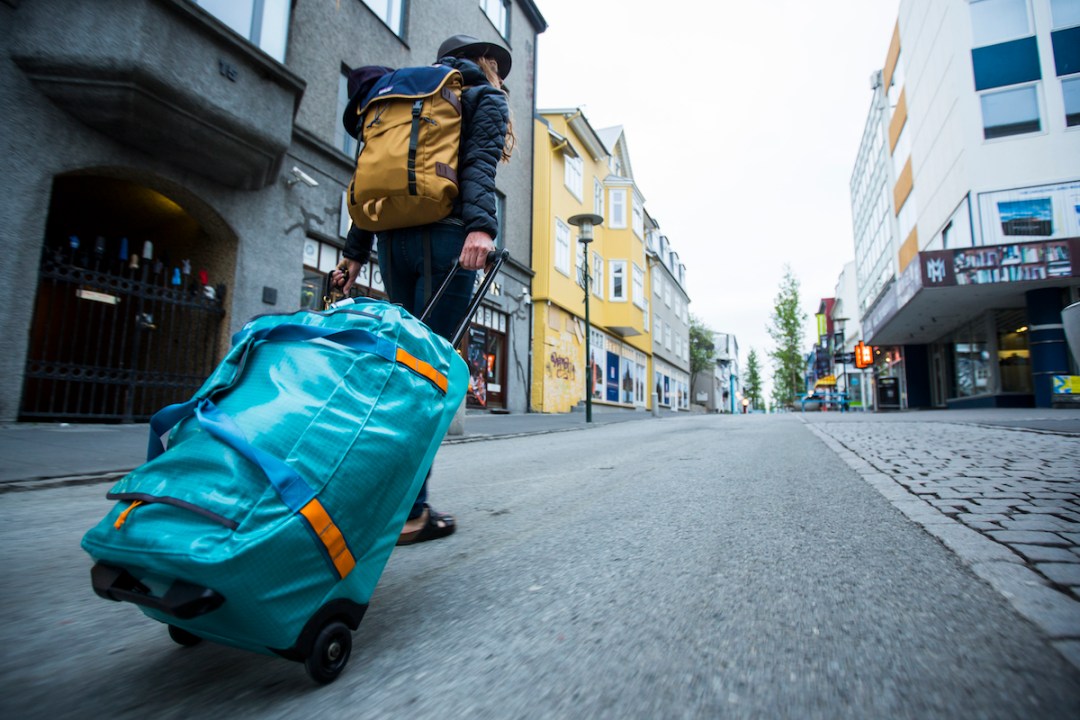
(138, 499)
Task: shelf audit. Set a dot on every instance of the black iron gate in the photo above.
(116, 343)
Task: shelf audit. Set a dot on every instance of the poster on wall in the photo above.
(478, 366)
(597, 364)
(612, 377)
(1024, 214)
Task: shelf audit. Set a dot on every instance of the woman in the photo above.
(416, 260)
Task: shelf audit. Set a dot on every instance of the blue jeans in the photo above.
(402, 257)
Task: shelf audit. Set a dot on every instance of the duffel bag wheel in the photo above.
(329, 653)
(181, 636)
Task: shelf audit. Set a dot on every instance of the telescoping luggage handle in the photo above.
(495, 260)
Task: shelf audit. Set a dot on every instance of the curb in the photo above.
(31, 484)
(1051, 611)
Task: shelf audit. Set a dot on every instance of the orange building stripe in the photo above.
(330, 536)
(423, 369)
(891, 58)
(909, 249)
(903, 187)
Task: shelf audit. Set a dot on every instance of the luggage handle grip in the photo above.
(182, 600)
(495, 260)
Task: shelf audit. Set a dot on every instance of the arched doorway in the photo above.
(128, 314)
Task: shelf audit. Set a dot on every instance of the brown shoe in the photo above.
(436, 525)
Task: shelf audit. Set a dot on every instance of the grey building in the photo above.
(177, 167)
(719, 387)
(670, 321)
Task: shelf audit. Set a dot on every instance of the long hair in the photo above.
(490, 69)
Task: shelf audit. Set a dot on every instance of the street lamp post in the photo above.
(843, 362)
(585, 222)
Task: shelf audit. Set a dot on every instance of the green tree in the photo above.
(752, 386)
(787, 332)
(702, 348)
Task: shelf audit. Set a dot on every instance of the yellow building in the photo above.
(582, 170)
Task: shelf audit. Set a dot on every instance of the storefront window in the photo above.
(1014, 355)
(485, 356)
(972, 368)
(319, 259)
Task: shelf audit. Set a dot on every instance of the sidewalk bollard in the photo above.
(655, 405)
(457, 425)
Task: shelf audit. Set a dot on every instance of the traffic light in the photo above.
(864, 355)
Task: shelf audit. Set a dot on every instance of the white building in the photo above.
(670, 321)
(965, 199)
(719, 388)
(855, 383)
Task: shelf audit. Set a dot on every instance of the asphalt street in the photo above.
(698, 567)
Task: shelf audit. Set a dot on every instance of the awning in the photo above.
(827, 380)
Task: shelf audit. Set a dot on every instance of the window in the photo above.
(614, 165)
(658, 284)
(995, 21)
(1066, 13)
(500, 218)
(638, 291)
(645, 315)
(617, 291)
(667, 336)
(902, 151)
(972, 368)
(1008, 63)
(658, 334)
(319, 259)
(638, 215)
(1010, 112)
(343, 141)
(498, 12)
(573, 175)
(562, 247)
(1071, 90)
(618, 208)
(598, 197)
(265, 23)
(390, 12)
(598, 275)
(908, 215)
(667, 294)
(1066, 45)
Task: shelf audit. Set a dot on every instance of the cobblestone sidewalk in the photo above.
(1006, 501)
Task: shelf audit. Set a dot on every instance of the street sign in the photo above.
(864, 355)
(844, 358)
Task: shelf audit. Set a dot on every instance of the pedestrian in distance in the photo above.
(415, 260)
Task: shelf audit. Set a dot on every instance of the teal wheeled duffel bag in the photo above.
(287, 478)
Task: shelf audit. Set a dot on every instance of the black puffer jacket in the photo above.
(485, 116)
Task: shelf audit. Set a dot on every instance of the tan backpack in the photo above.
(406, 164)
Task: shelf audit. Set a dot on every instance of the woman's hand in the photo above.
(345, 278)
(475, 251)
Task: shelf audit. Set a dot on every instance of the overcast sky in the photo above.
(742, 120)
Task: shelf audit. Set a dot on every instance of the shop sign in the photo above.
(1000, 263)
(1067, 384)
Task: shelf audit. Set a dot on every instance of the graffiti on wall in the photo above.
(561, 367)
(562, 384)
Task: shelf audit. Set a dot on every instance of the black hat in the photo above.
(466, 46)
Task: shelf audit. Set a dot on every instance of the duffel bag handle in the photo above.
(356, 339)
